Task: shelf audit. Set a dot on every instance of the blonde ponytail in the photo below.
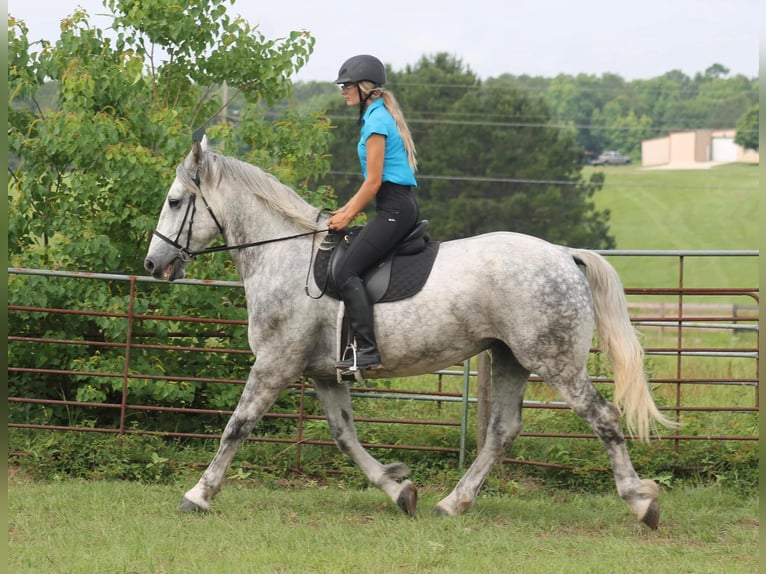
(393, 108)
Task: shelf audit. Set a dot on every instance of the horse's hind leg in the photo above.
(603, 417)
(261, 391)
(336, 402)
(509, 380)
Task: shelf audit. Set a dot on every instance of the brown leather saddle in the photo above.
(399, 275)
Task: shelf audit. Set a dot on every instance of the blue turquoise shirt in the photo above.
(378, 120)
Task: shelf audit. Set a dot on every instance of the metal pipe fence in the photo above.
(135, 351)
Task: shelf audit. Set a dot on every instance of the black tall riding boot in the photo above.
(360, 316)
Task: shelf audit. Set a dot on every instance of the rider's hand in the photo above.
(340, 219)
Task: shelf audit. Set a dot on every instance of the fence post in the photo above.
(464, 413)
(126, 368)
(301, 415)
(483, 396)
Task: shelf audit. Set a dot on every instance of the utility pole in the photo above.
(224, 107)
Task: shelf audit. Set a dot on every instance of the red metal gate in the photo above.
(733, 311)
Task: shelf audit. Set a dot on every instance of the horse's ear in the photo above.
(199, 145)
(198, 149)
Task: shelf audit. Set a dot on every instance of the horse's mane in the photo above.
(275, 194)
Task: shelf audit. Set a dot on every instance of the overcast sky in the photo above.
(541, 38)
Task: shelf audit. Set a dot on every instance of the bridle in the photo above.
(186, 255)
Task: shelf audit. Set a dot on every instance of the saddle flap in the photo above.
(377, 279)
(399, 275)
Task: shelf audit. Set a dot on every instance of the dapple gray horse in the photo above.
(532, 304)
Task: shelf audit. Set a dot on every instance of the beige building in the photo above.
(695, 146)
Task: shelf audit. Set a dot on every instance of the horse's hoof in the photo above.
(408, 498)
(652, 515)
(187, 505)
(439, 511)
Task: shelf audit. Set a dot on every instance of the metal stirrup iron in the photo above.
(352, 346)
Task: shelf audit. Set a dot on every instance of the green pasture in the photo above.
(116, 527)
(714, 209)
(705, 209)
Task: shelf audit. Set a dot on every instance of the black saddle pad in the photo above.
(408, 274)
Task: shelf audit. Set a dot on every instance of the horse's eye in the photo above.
(174, 202)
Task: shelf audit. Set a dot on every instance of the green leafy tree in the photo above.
(489, 158)
(747, 129)
(523, 178)
(623, 131)
(95, 160)
(123, 121)
(576, 101)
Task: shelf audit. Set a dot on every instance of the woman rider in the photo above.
(387, 157)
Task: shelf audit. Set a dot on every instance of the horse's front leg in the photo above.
(261, 391)
(336, 402)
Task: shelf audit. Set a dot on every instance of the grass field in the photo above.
(706, 209)
(124, 527)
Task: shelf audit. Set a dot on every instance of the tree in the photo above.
(622, 131)
(747, 129)
(576, 101)
(123, 121)
(94, 164)
(521, 176)
(607, 112)
(489, 158)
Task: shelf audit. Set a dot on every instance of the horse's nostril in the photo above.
(148, 264)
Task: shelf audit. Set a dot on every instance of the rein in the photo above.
(257, 243)
(186, 254)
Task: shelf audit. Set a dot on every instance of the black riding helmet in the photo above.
(359, 69)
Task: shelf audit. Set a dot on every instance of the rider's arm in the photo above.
(376, 151)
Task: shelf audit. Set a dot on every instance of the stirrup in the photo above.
(351, 364)
(346, 364)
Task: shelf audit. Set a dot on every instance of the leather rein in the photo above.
(186, 255)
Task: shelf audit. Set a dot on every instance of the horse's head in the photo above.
(182, 229)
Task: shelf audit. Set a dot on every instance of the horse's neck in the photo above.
(249, 221)
(250, 218)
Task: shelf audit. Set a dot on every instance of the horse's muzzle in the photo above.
(174, 270)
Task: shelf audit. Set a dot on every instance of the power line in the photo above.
(425, 115)
(557, 126)
(480, 179)
(550, 84)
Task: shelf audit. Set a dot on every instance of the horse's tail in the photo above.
(619, 340)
